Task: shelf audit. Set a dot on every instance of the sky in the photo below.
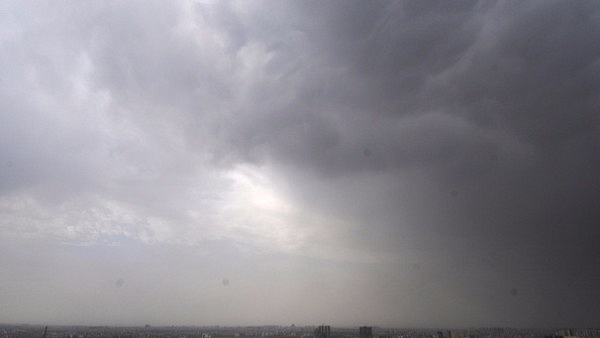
(400, 164)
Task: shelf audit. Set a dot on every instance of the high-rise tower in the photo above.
(365, 332)
(323, 331)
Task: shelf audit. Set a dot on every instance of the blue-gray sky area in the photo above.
(411, 163)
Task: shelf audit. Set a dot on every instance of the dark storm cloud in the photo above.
(486, 112)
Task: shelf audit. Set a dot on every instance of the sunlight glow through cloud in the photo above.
(257, 209)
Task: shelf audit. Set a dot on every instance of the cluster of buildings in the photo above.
(275, 331)
(324, 331)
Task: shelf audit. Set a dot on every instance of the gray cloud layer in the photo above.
(409, 163)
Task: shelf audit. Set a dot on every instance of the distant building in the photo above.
(458, 334)
(365, 332)
(323, 331)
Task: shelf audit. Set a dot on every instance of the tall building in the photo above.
(365, 332)
(323, 331)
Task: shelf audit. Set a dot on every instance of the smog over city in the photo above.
(211, 165)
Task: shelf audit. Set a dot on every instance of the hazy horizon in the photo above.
(389, 163)
(300, 327)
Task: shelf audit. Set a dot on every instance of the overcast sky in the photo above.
(414, 163)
